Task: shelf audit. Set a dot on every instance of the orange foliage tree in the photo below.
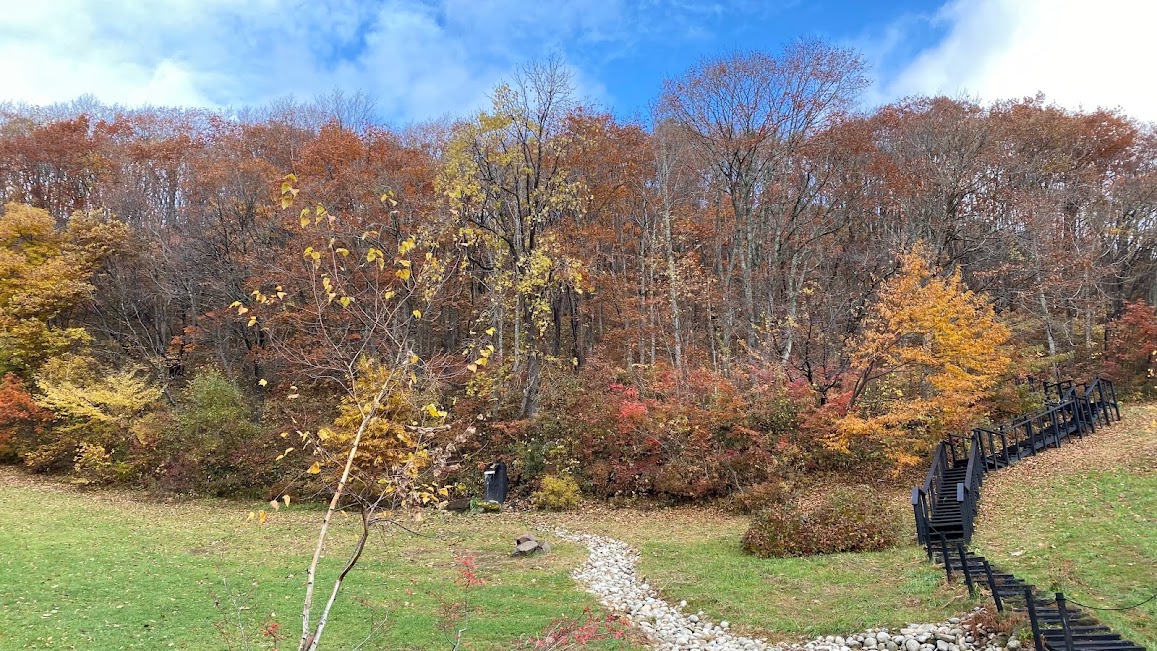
(930, 351)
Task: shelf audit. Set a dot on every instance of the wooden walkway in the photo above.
(946, 505)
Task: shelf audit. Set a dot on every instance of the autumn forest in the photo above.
(760, 281)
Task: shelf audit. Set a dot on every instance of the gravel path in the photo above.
(610, 574)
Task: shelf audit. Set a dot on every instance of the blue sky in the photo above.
(423, 59)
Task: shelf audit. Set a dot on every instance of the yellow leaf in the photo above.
(345, 301)
(285, 498)
(404, 274)
(472, 367)
(490, 331)
(417, 314)
(304, 221)
(315, 468)
(262, 382)
(432, 410)
(252, 322)
(252, 515)
(261, 517)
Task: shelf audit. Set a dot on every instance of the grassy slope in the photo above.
(106, 571)
(1083, 520)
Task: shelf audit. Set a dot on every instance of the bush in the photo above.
(843, 520)
(557, 493)
(758, 498)
(94, 408)
(21, 419)
(215, 448)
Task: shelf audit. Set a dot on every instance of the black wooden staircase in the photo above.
(947, 502)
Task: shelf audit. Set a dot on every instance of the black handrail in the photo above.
(924, 497)
(1076, 411)
(968, 490)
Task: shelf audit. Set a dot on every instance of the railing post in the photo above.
(1065, 621)
(918, 513)
(992, 586)
(1032, 620)
(965, 514)
(1004, 442)
(964, 567)
(944, 557)
(1031, 439)
(1104, 403)
(1116, 406)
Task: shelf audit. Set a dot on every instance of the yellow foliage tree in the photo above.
(506, 179)
(930, 351)
(94, 410)
(44, 271)
(352, 329)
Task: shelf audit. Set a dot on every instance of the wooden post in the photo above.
(944, 556)
(964, 566)
(1032, 620)
(1104, 402)
(992, 586)
(1065, 621)
(1116, 405)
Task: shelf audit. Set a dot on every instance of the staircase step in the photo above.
(1108, 637)
(1093, 645)
(947, 519)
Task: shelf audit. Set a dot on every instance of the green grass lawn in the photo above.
(1083, 520)
(696, 556)
(112, 570)
(103, 570)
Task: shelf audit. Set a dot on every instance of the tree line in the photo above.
(680, 306)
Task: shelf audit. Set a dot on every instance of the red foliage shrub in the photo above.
(653, 433)
(1131, 350)
(21, 419)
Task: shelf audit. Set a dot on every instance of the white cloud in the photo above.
(418, 58)
(1081, 54)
